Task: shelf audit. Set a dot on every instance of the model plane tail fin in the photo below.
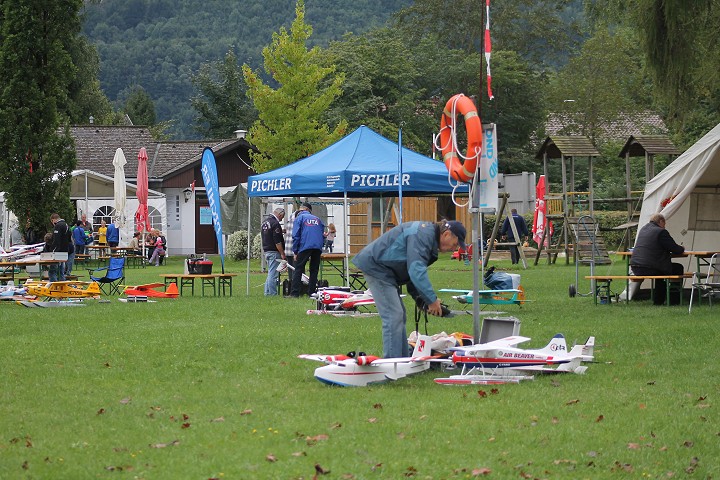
(584, 351)
(557, 346)
(422, 346)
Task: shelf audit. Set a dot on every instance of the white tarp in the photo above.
(687, 193)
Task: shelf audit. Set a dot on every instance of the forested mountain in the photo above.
(159, 44)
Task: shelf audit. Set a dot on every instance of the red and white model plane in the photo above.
(361, 370)
(20, 251)
(340, 301)
(500, 361)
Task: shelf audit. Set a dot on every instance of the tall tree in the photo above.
(539, 30)
(140, 107)
(289, 125)
(222, 103)
(38, 156)
(605, 81)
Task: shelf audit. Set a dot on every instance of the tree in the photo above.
(38, 155)
(606, 80)
(222, 105)
(536, 29)
(289, 125)
(140, 107)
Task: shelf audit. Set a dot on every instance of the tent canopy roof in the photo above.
(100, 186)
(362, 164)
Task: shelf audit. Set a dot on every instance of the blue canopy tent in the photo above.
(362, 164)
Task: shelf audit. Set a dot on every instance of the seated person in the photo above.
(134, 244)
(651, 255)
(158, 252)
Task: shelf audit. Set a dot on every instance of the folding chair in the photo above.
(113, 278)
(710, 287)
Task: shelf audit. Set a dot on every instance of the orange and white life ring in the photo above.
(461, 171)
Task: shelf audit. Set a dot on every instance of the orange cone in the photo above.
(172, 290)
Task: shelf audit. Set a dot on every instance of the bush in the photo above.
(237, 246)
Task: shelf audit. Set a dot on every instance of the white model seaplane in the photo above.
(361, 370)
(340, 301)
(500, 361)
(20, 251)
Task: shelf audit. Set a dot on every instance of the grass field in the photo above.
(199, 388)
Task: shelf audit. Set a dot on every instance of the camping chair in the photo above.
(709, 287)
(113, 278)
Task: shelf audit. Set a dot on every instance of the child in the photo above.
(330, 237)
(102, 233)
(159, 250)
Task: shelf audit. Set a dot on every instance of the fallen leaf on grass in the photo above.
(633, 446)
(163, 445)
(482, 394)
(688, 443)
(335, 426)
(299, 454)
(320, 470)
(480, 471)
(186, 425)
(246, 412)
(378, 406)
(126, 400)
(317, 438)
(25, 465)
(622, 466)
(347, 476)
(554, 420)
(372, 420)
(218, 419)
(101, 411)
(411, 472)
(271, 458)
(573, 402)
(599, 419)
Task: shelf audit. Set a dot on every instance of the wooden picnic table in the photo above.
(218, 281)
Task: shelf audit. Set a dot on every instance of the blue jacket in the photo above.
(403, 256)
(307, 232)
(112, 234)
(520, 225)
(78, 234)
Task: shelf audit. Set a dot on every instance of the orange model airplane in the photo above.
(148, 290)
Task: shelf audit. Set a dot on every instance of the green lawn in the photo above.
(199, 388)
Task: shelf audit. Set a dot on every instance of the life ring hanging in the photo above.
(461, 171)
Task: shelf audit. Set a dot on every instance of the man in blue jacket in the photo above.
(308, 241)
(112, 235)
(402, 256)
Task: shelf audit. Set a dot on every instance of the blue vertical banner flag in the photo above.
(212, 188)
(488, 170)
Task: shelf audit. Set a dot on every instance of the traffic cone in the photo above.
(172, 290)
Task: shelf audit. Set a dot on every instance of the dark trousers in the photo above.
(514, 253)
(302, 258)
(660, 287)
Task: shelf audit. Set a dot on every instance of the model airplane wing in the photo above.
(499, 343)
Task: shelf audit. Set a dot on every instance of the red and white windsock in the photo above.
(488, 48)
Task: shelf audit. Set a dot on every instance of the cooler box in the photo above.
(495, 328)
(61, 256)
(199, 266)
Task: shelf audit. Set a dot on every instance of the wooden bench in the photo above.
(605, 280)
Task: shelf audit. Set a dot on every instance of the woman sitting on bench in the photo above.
(651, 256)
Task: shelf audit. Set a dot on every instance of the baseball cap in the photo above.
(458, 229)
(307, 206)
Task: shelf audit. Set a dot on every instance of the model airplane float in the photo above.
(501, 361)
(63, 290)
(341, 301)
(361, 370)
(20, 251)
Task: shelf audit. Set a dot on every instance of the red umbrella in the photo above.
(142, 222)
(539, 220)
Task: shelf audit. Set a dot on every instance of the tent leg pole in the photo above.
(345, 239)
(247, 269)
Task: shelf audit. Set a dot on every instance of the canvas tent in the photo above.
(362, 164)
(687, 193)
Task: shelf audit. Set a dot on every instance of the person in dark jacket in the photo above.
(652, 255)
(507, 233)
(308, 240)
(273, 244)
(61, 241)
(402, 256)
